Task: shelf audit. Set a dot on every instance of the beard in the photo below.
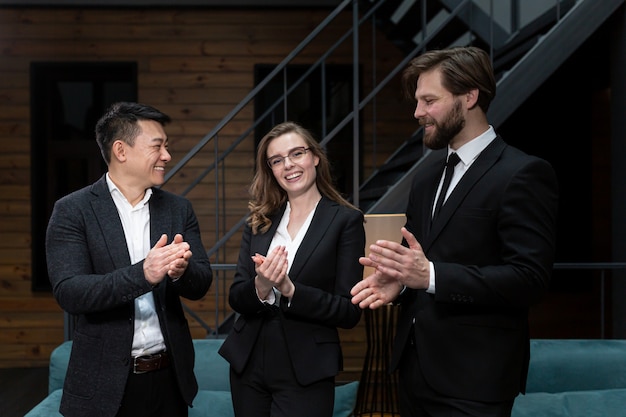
(446, 130)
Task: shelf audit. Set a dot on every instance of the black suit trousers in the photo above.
(268, 386)
(418, 399)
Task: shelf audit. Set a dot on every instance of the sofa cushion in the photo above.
(212, 372)
(212, 404)
(558, 365)
(211, 369)
(593, 403)
(206, 354)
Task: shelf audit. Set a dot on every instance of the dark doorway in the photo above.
(319, 101)
(67, 98)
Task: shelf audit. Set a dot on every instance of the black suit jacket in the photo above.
(92, 278)
(324, 270)
(492, 246)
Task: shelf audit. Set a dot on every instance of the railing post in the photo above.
(356, 136)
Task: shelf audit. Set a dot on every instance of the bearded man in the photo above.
(472, 261)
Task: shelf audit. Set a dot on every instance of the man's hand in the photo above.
(178, 267)
(163, 259)
(409, 266)
(395, 266)
(375, 290)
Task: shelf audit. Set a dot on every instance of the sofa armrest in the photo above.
(558, 365)
(59, 358)
(593, 403)
(48, 407)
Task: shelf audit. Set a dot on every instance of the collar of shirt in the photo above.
(467, 154)
(282, 235)
(118, 197)
(470, 151)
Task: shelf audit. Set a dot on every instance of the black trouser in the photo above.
(418, 399)
(153, 394)
(268, 385)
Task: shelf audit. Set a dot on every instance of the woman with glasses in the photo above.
(298, 260)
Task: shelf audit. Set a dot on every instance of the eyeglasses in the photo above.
(294, 156)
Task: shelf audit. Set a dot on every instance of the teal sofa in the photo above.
(574, 378)
(213, 399)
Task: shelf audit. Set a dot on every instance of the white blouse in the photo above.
(283, 238)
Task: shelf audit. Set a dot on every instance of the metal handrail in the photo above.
(456, 9)
(352, 116)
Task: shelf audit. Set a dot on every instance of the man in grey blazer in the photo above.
(120, 254)
(464, 276)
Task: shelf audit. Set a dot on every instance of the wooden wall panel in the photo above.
(194, 64)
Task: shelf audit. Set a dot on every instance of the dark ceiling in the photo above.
(174, 3)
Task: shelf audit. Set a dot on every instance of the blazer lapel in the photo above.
(485, 161)
(160, 219)
(110, 224)
(260, 243)
(433, 171)
(160, 222)
(324, 214)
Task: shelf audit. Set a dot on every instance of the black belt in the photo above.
(149, 363)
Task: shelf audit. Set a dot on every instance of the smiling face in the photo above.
(295, 177)
(143, 164)
(440, 112)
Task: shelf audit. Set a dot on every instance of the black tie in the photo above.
(453, 159)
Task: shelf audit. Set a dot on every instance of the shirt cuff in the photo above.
(271, 298)
(431, 283)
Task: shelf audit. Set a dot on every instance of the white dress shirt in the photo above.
(148, 338)
(468, 154)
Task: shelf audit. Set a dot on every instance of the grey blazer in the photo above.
(93, 279)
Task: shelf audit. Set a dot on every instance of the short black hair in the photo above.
(120, 122)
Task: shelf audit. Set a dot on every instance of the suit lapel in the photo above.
(485, 161)
(433, 172)
(324, 214)
(261, 243)
(160, 220)
(323, 217)
(109, 223)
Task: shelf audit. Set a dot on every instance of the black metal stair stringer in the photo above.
(545, 55)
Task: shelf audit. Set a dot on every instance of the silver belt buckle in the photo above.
(135, 371)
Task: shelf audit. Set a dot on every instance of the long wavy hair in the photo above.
(267, 195)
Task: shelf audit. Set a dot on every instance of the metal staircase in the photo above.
(523, 60)
(525, 54)
(525, 51)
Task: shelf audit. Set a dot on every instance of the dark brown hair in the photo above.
(463, 68)
(267, 195)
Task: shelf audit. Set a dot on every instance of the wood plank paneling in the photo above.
(195, 65)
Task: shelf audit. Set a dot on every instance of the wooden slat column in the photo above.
(377, 395)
